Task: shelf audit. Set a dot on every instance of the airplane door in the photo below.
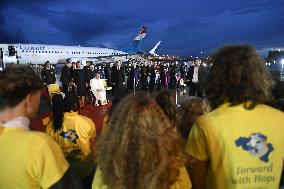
(1, 59)
(12, 51)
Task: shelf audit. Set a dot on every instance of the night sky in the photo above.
(185, 27)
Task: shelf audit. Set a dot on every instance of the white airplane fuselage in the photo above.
(40, 53)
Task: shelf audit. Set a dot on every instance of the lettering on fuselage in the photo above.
(33, 48)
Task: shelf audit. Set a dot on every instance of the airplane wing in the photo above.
(153, 50)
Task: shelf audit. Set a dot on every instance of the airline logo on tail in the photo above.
(141, 35)
(138, 39)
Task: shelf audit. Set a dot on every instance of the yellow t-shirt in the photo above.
(183, 181)
(75, 138)
(29, 160)
(245, 148)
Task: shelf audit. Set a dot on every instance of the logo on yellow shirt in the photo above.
(70, 135)
(256, 145)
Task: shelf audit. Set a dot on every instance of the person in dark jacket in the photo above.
(48, 74)
(66, 76)
(152, 78)
(80, 81)
(107, 71)
(117, 76)
(88, 73)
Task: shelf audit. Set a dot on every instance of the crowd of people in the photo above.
(226, 135)
(133, 75)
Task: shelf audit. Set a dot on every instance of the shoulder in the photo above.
(79, 118)
(40, 139)
(86, 119)
(262, 108)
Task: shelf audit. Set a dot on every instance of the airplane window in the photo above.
(36, 51)
(45, 51)
(51, 51)
(42, 51)
(23, 51)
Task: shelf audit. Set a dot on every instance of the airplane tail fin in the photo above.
(153, 50)
(139, 38)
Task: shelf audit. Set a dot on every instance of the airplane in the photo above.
(40, 53)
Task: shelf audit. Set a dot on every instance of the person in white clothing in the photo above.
(98, 90)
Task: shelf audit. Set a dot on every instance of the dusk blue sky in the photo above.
(185, 27)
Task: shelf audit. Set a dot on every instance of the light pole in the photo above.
(282, 69)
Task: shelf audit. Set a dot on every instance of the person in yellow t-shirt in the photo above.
(74, 133)
(29, 159)
(140, 149)
(240, 143)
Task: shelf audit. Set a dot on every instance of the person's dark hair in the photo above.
(45, 64)
(278, 89)
(16, 82)
(167, 102)
(118, 95)
(278, 94)
(58, 111)
(141, 148)
(71, 102)
(189, 111)
(238, 75)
